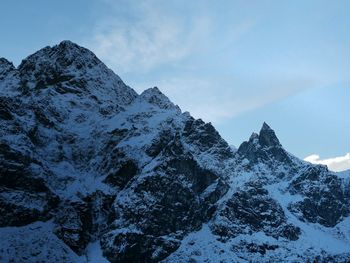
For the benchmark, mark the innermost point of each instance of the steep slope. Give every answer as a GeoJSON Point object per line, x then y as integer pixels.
{"type": "Point", "coordinates": [88, 164]}
{"type": "Point", "coordinates": [278, 208]}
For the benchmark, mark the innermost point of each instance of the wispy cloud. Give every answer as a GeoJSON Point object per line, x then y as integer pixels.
{"type": "Point", "coordinates": [218, 99]}
{"type": "Point", "coordinates": [148, 37]}
{"type": "Point", "coordinates": [144, 36]}
{"type": "Point", "coordinates": [336, 164]}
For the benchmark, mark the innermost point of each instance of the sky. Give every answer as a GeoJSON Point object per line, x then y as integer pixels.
{"type": "Point", "coordinates": [234, 63]}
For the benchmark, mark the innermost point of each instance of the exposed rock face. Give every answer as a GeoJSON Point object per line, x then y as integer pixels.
{"type": "Point", "coordinates": [264, 148]}
{"type": "Point", "coordinates": [69, 68]}
{"type": "Point", "coordinates": [159, 219]}
{"type": "Point", "coordinates": [252, 210]}
{"type": "Point", "coordinates": [123, 174]}
{"type": "Point", "coordinates": [138, 247]}
{"type": "Point", "coordinates": [86, 161]}
{"type": "Point", "coordinates": [73, 225]}
{"type": "Point", "coordinates": [325, 200]}
{"type": "Point", "coordinates": [206, 138]}
{"type": "Point", "coordinates": [5, 68]}
{"type": "Point", "coordinates": [24, 195]}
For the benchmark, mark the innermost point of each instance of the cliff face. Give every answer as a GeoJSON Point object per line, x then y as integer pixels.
{"type": "Point", "coordinates": [89, 167]}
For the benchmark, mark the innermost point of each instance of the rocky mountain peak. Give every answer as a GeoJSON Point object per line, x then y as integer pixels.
{"type": "Point", "coordinates": [254, 137]}
{"type": "Point", "coordinates": [65, 54]}
{"type": "Point", "coordinates": [267, 137]}
{"type": "Point", "coordinates": [70, 68]}
{"type": "Point", "coordinates": [4, 63]}
{"type": "Point", "coordinates": [264, 146]}
{"type": "Point", "coordinates": [156, 97]}
{"type": "Point", "coordinates": [264, 139]}
{"type": "Point", "coordinates": [69, 46]}
{"type": "Point", "coordinates": [5, 67]}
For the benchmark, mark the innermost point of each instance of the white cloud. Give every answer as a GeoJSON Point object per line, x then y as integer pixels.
{"type": "Point", "coordinates": [145, 38]}
{"type": "Point", "coordinates": [336, 164]}
{"type": "Point", "coordinates": [218, 99]}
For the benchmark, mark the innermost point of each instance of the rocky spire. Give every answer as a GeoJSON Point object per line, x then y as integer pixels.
{"type": "Point", "coordinates": [267, 137]}
{"type": "Point", "coordinates": [263, 146]}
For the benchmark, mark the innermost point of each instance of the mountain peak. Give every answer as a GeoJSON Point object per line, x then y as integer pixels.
{"type": "Point", "coordinates": [73, 50]}
{"type": "Point", "coordinates": [254, 136]}
{"type": "Point", "coordinates": [156, 97]}
{"type": "Point", "coordinates": [68, 67]}
{"type": "Point", "coordinates": [68, 44]}
{"type": "Point", "coordinates": [263, 146]}
{"type": "Point", "coordinates": [65, 54]}
{"type": "Point", "coordinates": [153, 91]}
{"type": "Point", "coordinates": [265, 126]}
{"type": "Point", "coordinates": [267, 136]}
{"type": "Point", "coordinates": [89, 165]}
{"type": "Point", "coordinates": [5, 67]}
{"type": "Point", "coordinates": [5, 63]}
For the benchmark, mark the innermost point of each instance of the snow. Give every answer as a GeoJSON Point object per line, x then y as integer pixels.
{"type": "Point", "coordinates": [18, 198]}
{"type": "Point", "coordinates": [72, 151]}
{"type": "Point", "coordinates": [314, 240]}
{"type": "Point", "coordinates": [34, 243]}
{"type": "Point", "coordinates": [344, 174]}
{"type": "Point", "coordinates": [94, 253]}
{"type": "Point", "coordinates": [203, 246]}
{"type": "Point", "coordinates": [44, 246]}
{"type": "Point", "coordinates": [313, 236]}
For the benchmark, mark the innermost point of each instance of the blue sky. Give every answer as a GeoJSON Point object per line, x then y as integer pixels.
{"type": "Point", "coordinates": [234, 63]}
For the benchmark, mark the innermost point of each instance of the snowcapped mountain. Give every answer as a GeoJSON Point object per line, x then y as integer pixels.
{"type": "Point", "coordinates": [91, 171]}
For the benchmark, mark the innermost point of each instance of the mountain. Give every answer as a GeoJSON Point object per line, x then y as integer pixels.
{"type": "Point", "coordinates": [91, 171]}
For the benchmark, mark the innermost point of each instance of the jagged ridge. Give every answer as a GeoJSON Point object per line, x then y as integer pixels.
{"type": "Point", "coordinates": [97, 162]}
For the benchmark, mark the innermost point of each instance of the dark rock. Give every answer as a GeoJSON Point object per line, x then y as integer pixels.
{"type": "Point", "coordinates": [137, 247]}
{"type": "Point", "coordinates": [200, 178]}
{"type": "Point", "coordinates": [18, 208]}
{"type": "Point", "coordinates": [167, 201]}
{"type": "Point", "coordinates": [5, 68]}
{"type": "Point", "coordinates": [160, 142]}
{"type": "Point", "coordinates": [15, 172]}
{"type": "Point", "coordinates": [252, 207]}
{"type": "Point", "coordinates": [73, 225]}
{"type": "Point", "coordinates": [42, 118]}
{"type": "Point", "coordinates": [255, 248]}
{"type": "Point", "coordinates": [267, 137]}
{"type": "Point", "coordinates": [325, 201]}
{"type": "Point", "coordinates": [102, 213]}
{"type": "Point", "coordinates": [123, 175]}
{"type": "Point", "coordinates": [24, 196]}
{"type": "Point", "coordinates": [47, 73]}
{"type": "Point", "coordinates": [175, 208]}
{"type": "Point", "coordinates": [155, 97]}
{"type": "Point", "coordinates": [264, 148]}
{"type": "Point", "coordinates": [206, 138]}
{"type": "Point", "coordinates": [78, 223]}
{"type": "Point", "coordinates": [245, 249]}
{"type": "Point", "coordinates": [5, 108]}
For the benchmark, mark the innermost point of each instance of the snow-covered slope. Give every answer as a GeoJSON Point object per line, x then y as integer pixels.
{"type": "Point", "coordinates": [278, 208]}
{"type": "Point", "coordinates": [91, 170]}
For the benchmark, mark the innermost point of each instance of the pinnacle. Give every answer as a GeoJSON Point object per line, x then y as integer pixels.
{"type": "Point", "coordinates": [267, 136]}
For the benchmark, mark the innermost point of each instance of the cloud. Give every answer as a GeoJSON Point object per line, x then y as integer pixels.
{"type": "Point", "coordinates": [336, 164]}
{"type": "Point", "coordinates": [219, 99]}
{"type": "Point", "coordinates": [185, 53]}
{"type": "Point", "coordinates": [144, 36]}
